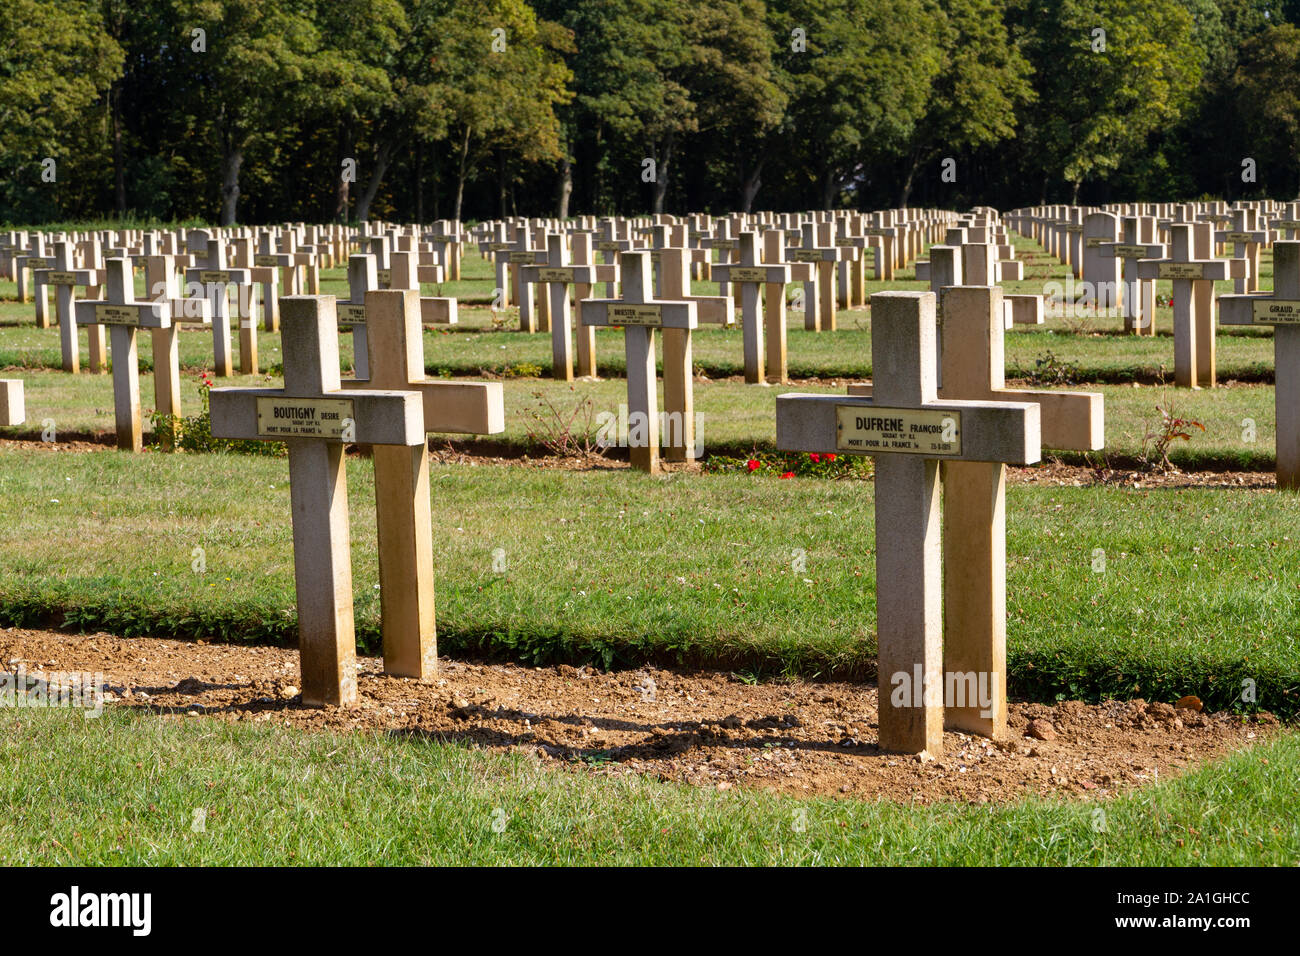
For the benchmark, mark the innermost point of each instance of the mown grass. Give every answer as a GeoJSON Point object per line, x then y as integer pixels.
{"type": "Point", "coordinates": [127, 789]}
{"type": "Point", "coordinates": [1199, 591]}
{"type": "Point", "coordinates": [733, 419]}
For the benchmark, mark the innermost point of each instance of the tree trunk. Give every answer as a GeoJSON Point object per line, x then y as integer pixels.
{"type": "Point", "coordinates": [828, 189]}
{"type": "Point", "coordinates": [906, 192]}
{"type": "Point", "coordinates": [419, 181]}
{"type": "Point", "coordinates": [383, 156]}
{"type": "Point", "coordinates": [342, 188]}
{"type": "Point", "coordinates": [1074, 193]}
{"type": "Point", "coordinates": [231, 161]}
{"type": "Point", "coordinates": [119, 172]}
{"type": "Point", "coordinates": [566, 185]}
{"type": "Point", "coordinates": [501, 185]}
{"type": "Point", "coordinates": [752, 184]}
{"type": "Point", "coordinates": [460, 174]}
{"type": "Point", "coordinates": [661, 175]}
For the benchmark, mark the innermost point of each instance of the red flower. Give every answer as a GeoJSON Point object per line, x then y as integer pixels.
{"type": "Point", "coordinates": [788, 474]}
{"type": "Point", "coordinates": [815, 457]}
{"type": "Point", "coordinates": [829, 456]}
{"type": "Point", "coordinates": [752, 464]}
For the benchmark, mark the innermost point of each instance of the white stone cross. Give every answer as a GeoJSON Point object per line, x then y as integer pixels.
{"type": "Point", "coordinates": [124, 315]}
{"type": "Point", "coordinates": [216, 281]}
{"type": "Point", "coordinates": [909, 431]}
{"type": "Point", "coordinates": [638, 314]}
{"type": "Point", "coordinates": [554, 278]}
{"type": "Point", "coordinates": [363, 277]}
{"type": "Point", "coordinates": [1138, 296]}
{"type": "Point", "coordinates": [1282, 311]}
{"type": "Point", "coordinates": [396, 361]}
{"type": "Point", "coordinates": [317, 418]}
{"type": "Point", "coordinates": [1193, 281]}
{"type": "Point", "coordinates": [751, 275]}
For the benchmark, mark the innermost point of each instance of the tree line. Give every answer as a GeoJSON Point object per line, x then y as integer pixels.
{"type": "Point", "coordinates": [342, 110]}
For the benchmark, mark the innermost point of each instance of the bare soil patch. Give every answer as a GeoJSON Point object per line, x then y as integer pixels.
{"type": "Point", "coordinates": [707, 729]}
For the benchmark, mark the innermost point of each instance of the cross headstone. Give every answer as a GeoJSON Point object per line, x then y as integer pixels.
{"type": "Point", "coordinates": [1137, 297]}
{"type": "Point", "coordinates": [1193, 281]}
{"type": "Point", "coordinates": [1246, 243]}
{"type": "Point", "coordinates": [65, 277]}
{"type": "Point", "coordinates": [639, 315]}
{"type": "Point", "coordinates": [1282, 311]}
{"type": "Point", "coordinates": [909, 431]}
{"type": "Point", "coordinates": [819, 295]}
{"type": "Point", "coordinates": [316, 418]}
{"type": "Point", "coordinates": [554, 279]}
{"type": "Point", "coordinates": [396, 361]}
{"type": "Point", "coordinates": [363, 277]}
{"type": "Point", "coordinates": [124, 315]}
{"type": "Point", "coordinates": [751, 275]}
{"type": "Point", "coordinates": [216, 280]}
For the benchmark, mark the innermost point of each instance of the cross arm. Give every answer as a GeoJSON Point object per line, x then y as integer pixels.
{"type": "Point", "coordinates": [615, 313]}
{"type": "Point", "coordinates": [1194, 269]}
{"type": "Point", "coordinates": [1229, 235]}
{"type": "Point", "coordinates": [144, 315]}
{"type": "Point", "coordinates": [379, 417]}
{"type": "Point", "coordinates": [219, 276]}
{"type": "Point", "coordinates": [1130, 250]}
{"type": "Point", "coordinates": [1071, 421]}
{"type": "Point", "coordinates": [1258, 310]}
{"type": "Point", "coordinates": [733, 272]}
{"type": "Point", "coordinates": [982, 431]}
{"type": "Point", "coordinates": [469, 408]}
{"type": "Point", "coordinates": [84, 277]}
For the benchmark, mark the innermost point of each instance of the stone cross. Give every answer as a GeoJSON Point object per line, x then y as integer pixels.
{"type": "Point", "coordinates": [396, 360]}
{"type": "Point", "coordinates": [407, 273]}
{"type": "Point", "coordinates": [774, 314]}
{"type": "Point", "coordinates": [1246, 243]}
{"type": "Point", "coordinates": [1193, 280]}
{"type": "Point", "coordinates": [12, 410]}
{"type": "Point", "coordinates": [819, 295]}
{"type": "Point", "coordinates": [1138, 296]}
{"type": "Point", "coordinates": [316, 418]}
{"type": "Point", "coordinates": [124, 315]}
{"type": "Point", "coordinates": [1282, 311]}
{"type": "Point", "coordinates": [679, 442]}
{"type": "Point", "coordinates": [554, 278]}
{"type": "Point", "coordinates": [751, 275]}
{"type": "Point", "coordinates": [267, 267]}
{"type": "Point", "coordinates": [363, 277]}
{"type": "Point", "coordinates": [1101, 271]}
{"type": "Point", "coordinates": [909, 431]}
{"type": "Point", "coordinates": [639, 315]}
{"type": "Point", "coordinates": [216, 281]}
{"type": "Point", "coordinates": [33, 258]}
{"type": "Point", "coordinates": [160, 280]}
{"type": "Point", "coordinates": [64, 277]}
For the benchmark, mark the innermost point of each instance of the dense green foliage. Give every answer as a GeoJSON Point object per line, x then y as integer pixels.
{"type": "Point", "coordinates": [250, 110]}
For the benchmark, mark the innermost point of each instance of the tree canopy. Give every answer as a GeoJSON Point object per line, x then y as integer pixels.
{"type": "Point", "coordinates": [272, 110]}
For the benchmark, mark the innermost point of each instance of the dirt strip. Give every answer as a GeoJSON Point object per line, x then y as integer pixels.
{"type": "Point", "coordinates": [705, 729]}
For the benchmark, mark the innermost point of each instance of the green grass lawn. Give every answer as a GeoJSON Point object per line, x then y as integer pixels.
{"type": "Point", "coordinates": [1198, 594]}
{"type": "Point", "coordinates": [124, 790]}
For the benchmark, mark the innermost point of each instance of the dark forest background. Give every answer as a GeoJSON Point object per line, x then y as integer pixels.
{"type": "Point", "coordinates": [249, 110]}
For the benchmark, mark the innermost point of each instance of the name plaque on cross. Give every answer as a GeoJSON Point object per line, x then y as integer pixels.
{"type": "Point", "coordinates": [303, 417]}
{"type": "Point", "coordinates": [608, 245]}
{"type": "Point", "coordinates": [61, 278]}
{"type": "Point", "coordinates": [266, 260]}
{"type": "Point", "coordinates": [116, 315]}
{"type": "Point", "coordinates": [1181, 270]}
{"type": "Point", "coordinates": [385, 276]}
{"type": "Point", "coordinates": [904, 430]}
{"type": "Point", "coordinates": [1275, 312]}
{"type": "Point", "coordinates": [1121, 251]}
{"type": "Point", "coordinates": [527, 257]}
{"type": "Point", "coordinates": [213, 275]}
{"type": "Point", "coordinates": [350, 314]}
{"type": "Point", "coordinates": [742, 274]}
{"type": "Point", "coordinates": [555, 275]}
{"type": "Point", "coordinates": [805, 255]}
{"type": "Point", "coordinates": [647, 315]}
